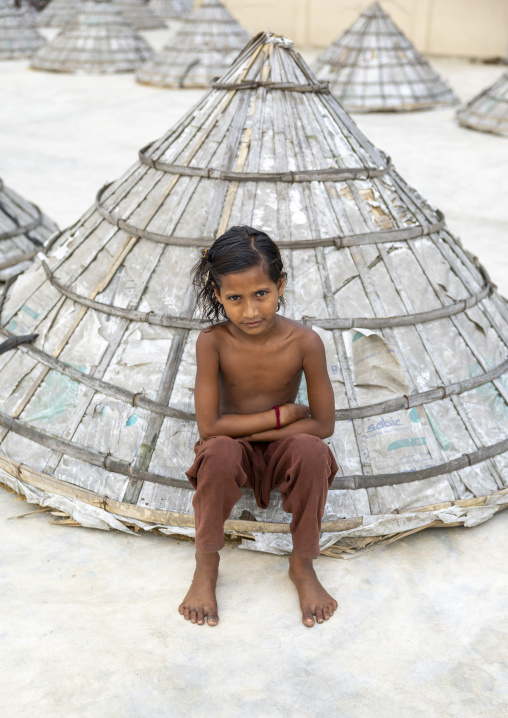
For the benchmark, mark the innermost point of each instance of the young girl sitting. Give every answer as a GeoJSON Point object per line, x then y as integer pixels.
{"type": "Point", "coordinates": [252, 434]}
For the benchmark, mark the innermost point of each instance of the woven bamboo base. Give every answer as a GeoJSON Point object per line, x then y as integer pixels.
{"type": "Point", "coordinates": [236, 530]}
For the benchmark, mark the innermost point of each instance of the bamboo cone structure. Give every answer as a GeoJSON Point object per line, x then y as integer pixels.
{"type": "Point", "coordinates": [488, 111]}
{"type": "Point", "coordinates": [24, 230]}
{"type": "Point", "coordinates": [18, 36]}
{"type": "Point", "coordinates": [140, 15]}
{"type": "Point", "coordinates": [169, 9]}
{"type": "Point", "coordinates": [204, 46]}
{"type": "Point", "coordinates": [373, 67]}
{"type": "Point", "coordinates": [59, 13]}
{"type": "Point", "coordinates": [97, 414]}
{"type": "Point", "coordinates": [99, 41]}
{"type": "Point", "coordinates": [31, 13]}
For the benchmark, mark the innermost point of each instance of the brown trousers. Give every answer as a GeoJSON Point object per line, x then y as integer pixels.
{"type": "Point", "coordinates": [301, 466]}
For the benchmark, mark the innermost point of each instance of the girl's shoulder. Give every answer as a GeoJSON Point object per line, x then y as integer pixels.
{"type": "Point", "coordinates": [307, 340]}
{"type": "Point", "coordinates": [299, 329]}
{"type": "Point", "coordinates": [213, 332]}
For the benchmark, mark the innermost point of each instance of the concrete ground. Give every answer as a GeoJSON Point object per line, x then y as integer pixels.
{"type": "Point", "coordinates": [89, 625]}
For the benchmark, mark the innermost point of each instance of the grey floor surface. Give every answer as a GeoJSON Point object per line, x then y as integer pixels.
{"type": "Point", "coordinates": [90, 627]}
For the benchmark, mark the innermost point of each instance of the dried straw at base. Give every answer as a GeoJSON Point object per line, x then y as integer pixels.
{"type": "Point", "coordinates": [203, 48]}
{"type": "Point", "coordinates": [169, 9]}
{"type": "Point", "coordinates": [24, 230]}
{"type": "Point", "coordinates": [18, 36]}
{"type": "Point", "coordinates": [59, 13]}
{"type": "Point", "coordinates": [97, 415]}
{"type": "Point", "coordinates": [99, 41]}
{"type": "Point", "coordinates": [373, 67]}
{"type": "Point", "coordinates": [488, 111]}
{"type": "Point", "coordinates": [140, 15]}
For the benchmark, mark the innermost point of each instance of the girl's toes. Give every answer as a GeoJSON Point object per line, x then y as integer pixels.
{"type": "Point", "coordinates": [213, 620]}
{"type": "Point", "coordinates": [180, 609]}
{"type": "Point", "coordinates": [187, 613]}
{"type": "Point", "coordinates": [200, 617]}
{"type": "Point", "coordinates": [319, 615]}
{"type": "Point", "coordinates": [326, 613]}
{"type": "Point", "coordinates": [193, 616]}
{"type": "Point", "coordinates": [307, 618]}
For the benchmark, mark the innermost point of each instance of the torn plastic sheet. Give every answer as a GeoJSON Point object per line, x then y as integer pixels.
{"type": "Point", "coordinates": [141, 350]}
{"type": "Point", "coordinates": [376, 367]}
{"type": "Point", "coordinates": [277, 543]}
{"type": "Point", "coordinates": [383, 525]}
{"type": "Point", "coordinates": [397, 441]}
{"type": "Point", "coordinates": [85, 514]}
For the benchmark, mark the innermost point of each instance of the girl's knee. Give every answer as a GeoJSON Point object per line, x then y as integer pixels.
{"type": "Point", "coordinates": [221, 446]}
{"type": "Point", "coordinates": [222, 452]}
{"type": "Point", "coordinates": [219, 443]}
{"type": "Point", "coordinates": [308, 445]}
{"type": "Point", "coordinates": [308, 439]}
{"type": "Point", "coordinates": [218, 465]}
{"type": "Point", "coordinates": [311, 453]}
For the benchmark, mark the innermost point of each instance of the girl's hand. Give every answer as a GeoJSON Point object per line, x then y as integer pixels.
{"type": "Point", "coordinates": [289, 413]}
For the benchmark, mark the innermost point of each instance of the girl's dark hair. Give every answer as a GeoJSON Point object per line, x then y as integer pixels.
{"type": "Point", "coordinates": [234, 251]}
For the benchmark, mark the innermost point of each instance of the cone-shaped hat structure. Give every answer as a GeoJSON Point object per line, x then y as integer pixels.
{"type": "Point", "coordinates": [488, 111]}
{"type": "Point", "coordinates": [99, 410]}
{"type": "Point", "coordinates": [140, 15]}
{"type": "Point", "coordinates": [373, 67]}
{"type": "Point", "coordinates": [203, 48]}
{"type": "Point", "coordinates": [24, 230]}
{"type": "Point", "coordinates": [99, 40]}
{"type": "Point", "coordinates": [59, 13]}
{"type": "Point", "coordinates": [18, 36]}
{"type": "Point", "coordinates": [169, 9]}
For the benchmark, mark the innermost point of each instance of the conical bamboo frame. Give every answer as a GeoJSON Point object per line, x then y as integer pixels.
{"type": "Point", "coordinates": [59, 13]}
{"type": "Point", "coordinates": [101, 404]}
{"type": "Point", "coordinates": [202, 49]}
{"type": "Point", "coordinates": [24, 230]}
{"type": "Point", "coordinates": [18, 36]}
{"type": "Point", "coordinates": [373, 67]}
{"type": "Point", "coordinates": [140, 15]}
{"type": "Point", "coordinates": [98, 41]}
{"type": "Point", "coordinates": [488, 111]}
{"type": "Point", "coordinates": [168, 9]}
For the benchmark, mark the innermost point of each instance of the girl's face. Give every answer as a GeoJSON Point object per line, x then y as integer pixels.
{"type": "Point", "coordinates": [250, 299]}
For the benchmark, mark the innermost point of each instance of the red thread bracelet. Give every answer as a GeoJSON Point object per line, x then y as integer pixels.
{"type": "Point", "coordinates": [277, 415]}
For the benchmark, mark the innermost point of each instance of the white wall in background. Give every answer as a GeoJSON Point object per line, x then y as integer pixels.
{"type": "Point", "coordinates": [467, 28]}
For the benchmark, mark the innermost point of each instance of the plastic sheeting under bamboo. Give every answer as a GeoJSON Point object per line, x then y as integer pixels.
{"type": "Point", "coordinates": [336, 544]}
{"type": "Point", "coordinates": [415, 334]}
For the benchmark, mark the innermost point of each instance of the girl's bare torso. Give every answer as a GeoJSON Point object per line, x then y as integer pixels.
{"type": "Point", "coordinates": [256, 375]}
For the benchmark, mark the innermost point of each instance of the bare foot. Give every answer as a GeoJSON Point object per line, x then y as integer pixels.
{"type": "Point", "coordinates": [200, 601]}
{"type": "Point", "coordinates": [314, 600]}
